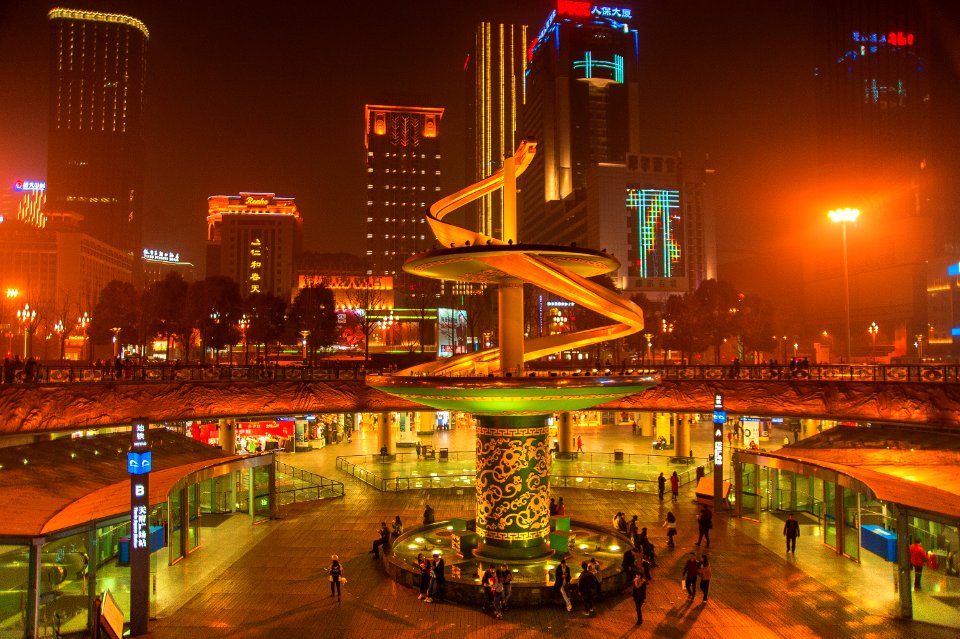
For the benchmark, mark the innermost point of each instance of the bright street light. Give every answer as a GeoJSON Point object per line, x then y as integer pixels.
{"type": "Point", "coordinates": [841, 217]}
{"type": "Point", "coordinates": [873, 329]}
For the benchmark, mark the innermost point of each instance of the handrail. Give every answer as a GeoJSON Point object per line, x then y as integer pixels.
{"type": "Point", "coordinates": [318, 486]}
{"type": "Point", "coordinates": [60, 374]}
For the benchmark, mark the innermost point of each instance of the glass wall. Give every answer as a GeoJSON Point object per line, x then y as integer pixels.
{"type": "Point", "coordinates": [751, 502]}
{"type": "Point", "coordinates": [14, 581]}
{"type": "Point", "coordinates": [830, 514]}
{"type": "Point", "coordinates": [175, 525]}
{"type": "Point", "coordinates": [193, 517]}
{"type": "Point", "coordinates": [261, 493]}
{"type": "Point", "coordinates": [215, 495]}
{"type": "Point", "coordinates": [786, 489]}
{"type": "Point", "coordinates": [63, 600]}
{"type": "Point", "coordinates": [851, 524]}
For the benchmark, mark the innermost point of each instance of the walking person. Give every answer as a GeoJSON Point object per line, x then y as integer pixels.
{"type": "Point", "coordinates": [440, 578]}
{"type": "Point", "coordinates": [561, 578]}
{"type": "Point", "coordinates": [704, 524]}
{"type": "Point", "coordinates": [639, 596]}
{"type": "Point", "coordinates": [675, 486]}
{"type": "Point", "coordinates": [661, 486]}
{"type": "Point", "coordinates": [505, 577]}
{"type": "Point", "coordinates": [425, 569]}
{"type": "Point", "coordinates": [336, 576]}
{"type": "Point", "coordinates": [497, 587]}
{"type": "Point", "coordinates": [791, 530]}
{"type": "Point", "coordinates": [690, 572]}
{"type": "Point", "coordinates": [670, 523]}
{"type": "Point", "coordinates": [706, 572]}
{"type": "Point", "coordinates": [918, 557]}
{"type": "Point", "coordinates": [579, 444]}
{"type": "Point", "coordinates": [589, 584]}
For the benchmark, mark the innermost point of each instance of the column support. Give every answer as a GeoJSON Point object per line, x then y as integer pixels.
{"type": "Point", "coordinates": [903, 567]}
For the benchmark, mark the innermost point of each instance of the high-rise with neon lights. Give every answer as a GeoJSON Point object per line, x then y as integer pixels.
{"type": "Point", "coordinates": [496, 91]}
{"type": "Point", "coordinates": [582, 106]}
{"type": "Point", "coordinates": [96, 143]}
{"type": "Point", "coordinates": [402, 161]}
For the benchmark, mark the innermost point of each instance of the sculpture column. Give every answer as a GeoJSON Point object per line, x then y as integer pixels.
{"type": "Point", "coordinates": [385, 433]}
{"type": "Point", "coordinates": [645, 421]}
{"type": "Point", "coordinates": [513, 487]}
{"type": "Point", "coordinates": [682, 440]}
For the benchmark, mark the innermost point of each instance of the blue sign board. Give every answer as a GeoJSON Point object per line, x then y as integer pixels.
{"type": "Point", "coordinates": [719, 417]}
{"type": "Point", "coordinates": [139, 463]}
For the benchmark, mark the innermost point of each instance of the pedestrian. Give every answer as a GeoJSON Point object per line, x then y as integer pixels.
{"type": "Point", "coordinates": [505, 578]}
{"type": "Point", "coordinates": [382, 541]}
{"type": "Point", "coordinates": [419, 448]}
{"type": "Point", "coordinates": [729, 442]}
{"type": "Point", "coordinates": [639, 596]}
{"type": "Point", "coordinates": [497, 587]}
{"type": "Point", "coordinates": [487, 582]}
{"type": "Point", "coordinates": [396, 529]}
{"type": "Point", "coordinates": [561, 579]}
{"type": "Point", "coordinates": [588, 587]}
{"type": "Point", "coordinates": [675, 486]}
{"type": "Point", "coordinates": [579, 444]}
{"type": "Point", "coordinates": [619, 522]}
{"type": "Point", "coordinates": [791, 530]}
{"type": "Point", "coordinates": [705, 574]}
{"type": "Point", "coordinates": [690, 571]}
{"type": "Point", "coordinates": [336, 576]}
{"type": "Point", "coordinates": [426, 568]}
{"type": "Point", "coordinates": [670, 523]}
{"type": "Point", "coordinates": [646, 547]}
{"type": "Point", "coordinates": [553, 507]}
{"type": "Point", "coordinates": [634, 531]}
{"type": "Point", "coordinates": [440, 577]}
{"type": "Point", "coordinates": [704, 524]}
{"type": "Point", "coordinates": [428, 517]}
{"type": "Point", "coordinates": [918, 557]}
{"type": "Point", "coordinates": [661, 486]}
{"type": "Point", "coordinates": [561, 509]}
{"type": "Point", "coordinates": [629, 563]}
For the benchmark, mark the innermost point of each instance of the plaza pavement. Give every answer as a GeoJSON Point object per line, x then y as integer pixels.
{"type": "Point", "coordinates": [274, 586]}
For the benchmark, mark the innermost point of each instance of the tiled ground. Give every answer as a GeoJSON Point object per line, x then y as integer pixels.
{"type": "Point", "coordinates": [277, 587]}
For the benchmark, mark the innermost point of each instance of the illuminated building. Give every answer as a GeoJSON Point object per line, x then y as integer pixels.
{"type": "Point", "coordinates": [496, 90]}
{"type": "Point", "coordinates": [402, 153]}
{"type": "Point", "coordinates": [253, 239]}
{"type": "Point", "coordinates": [95, 147]}
{"type": "Point", "coordinates": [582, 105]}
{"type": "Point", "coordinates": [59, 267]}
{"type": "Point", "coordinates": [156, 265]}
{"type": "Point", "coordinates": [874, 107]}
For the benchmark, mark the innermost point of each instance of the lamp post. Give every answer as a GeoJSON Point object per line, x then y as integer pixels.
{"type": "Point", "coordinates": [116, 332]}
{"type": "Point", "coordinates": [667, 328]}
{"type": "Point", "coordinates": [82, 322]}
{"type": "Point", "coordinates": [873, 329]}
{"type": "Point", "coordinates": [919, 345]}
{"type": "Point", "coordinates": [304, 334]}
{"type": "Point", "coordinates": [841, 217]}
{"type": "Point", "coordinates": [244, 323]}
{"type": "Point", "coordinates": [649, 338]}
{"type": "Point", "coordinates": [27, 318]}
{"type": "Point", "coordinates": [59, 329]}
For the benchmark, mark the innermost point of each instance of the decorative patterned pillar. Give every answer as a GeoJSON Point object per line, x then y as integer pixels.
{"type": "Point", "coordinates": [513, 487]}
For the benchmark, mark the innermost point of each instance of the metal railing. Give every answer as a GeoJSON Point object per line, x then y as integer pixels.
{"type": "Point", "coordinates": [312, 487]}
{"type": "Point", "coordinates": [463, 480]}
{"type": "Point", "coordinates": [55, 374]}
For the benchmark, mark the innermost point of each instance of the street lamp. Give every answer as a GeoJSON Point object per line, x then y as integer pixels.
{"type": "Point", "coordinates": [116, 331]}
{"type": "Point", "coordinates": [649, 338]}
{"type": "Point", "coordinates": [919, 345]}
{"type": "Point", "coordinates": [667, 329]}
{"type": "Point", "coordinates": [873, 329]}
{"type": "Point", "coordinates": [841, 217]}
{"type": "Point", "coordinates": [82, 322]}
{"type": "Point", "coordinates": [59, 329]}
{"type": "Point", "coordinates": [244, 323]}
{"type": "Point", "coordinates": [27, 318]}
{"type": "Point", "coordinates": [304, 334]}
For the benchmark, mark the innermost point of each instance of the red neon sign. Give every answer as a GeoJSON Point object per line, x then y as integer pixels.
{"type": "Point", "coordinates": [573, 8]}
{"type": "Point", "coordinates": [899, 38]}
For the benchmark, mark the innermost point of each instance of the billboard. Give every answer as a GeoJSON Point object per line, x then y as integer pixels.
{"type": "Point", "coordinates": [657, 233]}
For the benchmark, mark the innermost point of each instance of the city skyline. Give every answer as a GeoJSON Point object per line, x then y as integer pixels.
{"type": "Point", "coordinates": [225, 115]}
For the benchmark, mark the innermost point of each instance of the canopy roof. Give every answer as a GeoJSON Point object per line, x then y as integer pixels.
{"type": "Point", "coordinates": [62, 483]}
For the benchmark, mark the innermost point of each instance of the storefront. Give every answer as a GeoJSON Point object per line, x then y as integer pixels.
{"type": "Point", "coordinates": [867, 493]}
{"type": "Point", "coordinates": [65, 529]}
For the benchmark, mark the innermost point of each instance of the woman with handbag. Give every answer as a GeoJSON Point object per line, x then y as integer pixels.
{"type": "Point", "coordinates": [670, 523]}
{"type": "Point", "coordinates": [336, 576]}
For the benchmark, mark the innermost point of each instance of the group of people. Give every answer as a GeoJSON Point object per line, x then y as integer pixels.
{"type": "Point", "coordinates": [674, 486]}
{"type": "Point", "coordinates": [432, 578]}
{"type": "Point", "coordinates": [497, 586]}
{"type": "Point", "coordinates": [557, 508]}
{"type": "Point", "coordinates": [16, 370]}
{"type": "Point", "coordinates": [588, 583]}
{"type": "Point", "coordinates": [386, 535]}
{"type": "Point", "coordinates": [697, 569]}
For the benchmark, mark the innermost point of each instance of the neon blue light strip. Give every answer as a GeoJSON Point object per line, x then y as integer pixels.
{"type": "Point", "coordinates": [588, 64]}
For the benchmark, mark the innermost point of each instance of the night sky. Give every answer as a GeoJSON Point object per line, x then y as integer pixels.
{"type": "Point", "coordinates": [254, 95]}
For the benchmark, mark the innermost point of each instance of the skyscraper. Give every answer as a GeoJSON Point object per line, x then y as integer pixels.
{"type": "Point", "coordinates": [873, 120]}
{"type": "Point", "coordinates": [496, 86]}
{"type": "Point", "coordinates": [254, 238]}
{"type": "Point", "coordinates": [582, 106]}
{"type": "Point", "coordinates": [95, 152]}
{"type": "Point", "coordinates": [402, 146]}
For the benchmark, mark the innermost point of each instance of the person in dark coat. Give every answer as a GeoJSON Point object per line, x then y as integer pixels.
{"type": "Point", "coordinates": [704, 524]}
{"type": "Point", "coordinates": [661, 488]}
{"type": "Point", "coordinates": [674, 486]}
{"type": "Point", "coordinates": [791, 530]}
{"type": "Point", "coordinates": [588, 588]}
{"type": "Point", "coordinates": [440, 578]}
{"type": "Point", "coordinates": [562, 581]}
{"type": "Point", "coordinates": [639, 596]}
{"type": "Point", "coordinates": [690, 572]}
{"type": "Point", "coordinates": [428, 517]}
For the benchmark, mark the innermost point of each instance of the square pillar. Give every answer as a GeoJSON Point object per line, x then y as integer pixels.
{"type": "Point", "coordinates": [904, 580]}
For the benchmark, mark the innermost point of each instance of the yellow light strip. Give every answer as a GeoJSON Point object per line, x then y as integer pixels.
{"type": "Point", "coordinates": [94, 16]}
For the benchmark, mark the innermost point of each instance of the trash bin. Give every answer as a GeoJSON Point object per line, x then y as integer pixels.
{"type": "Point", "coordinates": [444, 454]}
{"type": "Point", "coordinates": [618, 454]}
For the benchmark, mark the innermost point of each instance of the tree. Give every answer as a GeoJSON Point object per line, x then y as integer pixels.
{"type": "Point", "coordinates": [313, 310]}
{"type": "Point", "coordinates": [361, 301]}
{"type": "Point", "coordinates": [266, 314]}
{"type": "Point", "coordinates": [214, 309]}
{"type": "Point", "coordinates": [754, 322]}
{"type": "Point", "coordinates": [714, 309]}
{"type": "Point", "coordinates": [117, 312]}
{"type": "Point", "coordinates": [166, 302]}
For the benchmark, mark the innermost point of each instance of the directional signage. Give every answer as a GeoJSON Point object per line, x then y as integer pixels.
{"type": "Point", "coordinates": [139, 465]}
{"type": "Point", "coordinates": [719, 419]}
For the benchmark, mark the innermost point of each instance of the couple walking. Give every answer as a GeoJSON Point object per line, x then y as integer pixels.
{"type": "Point", "coordinates": [692, 570]}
